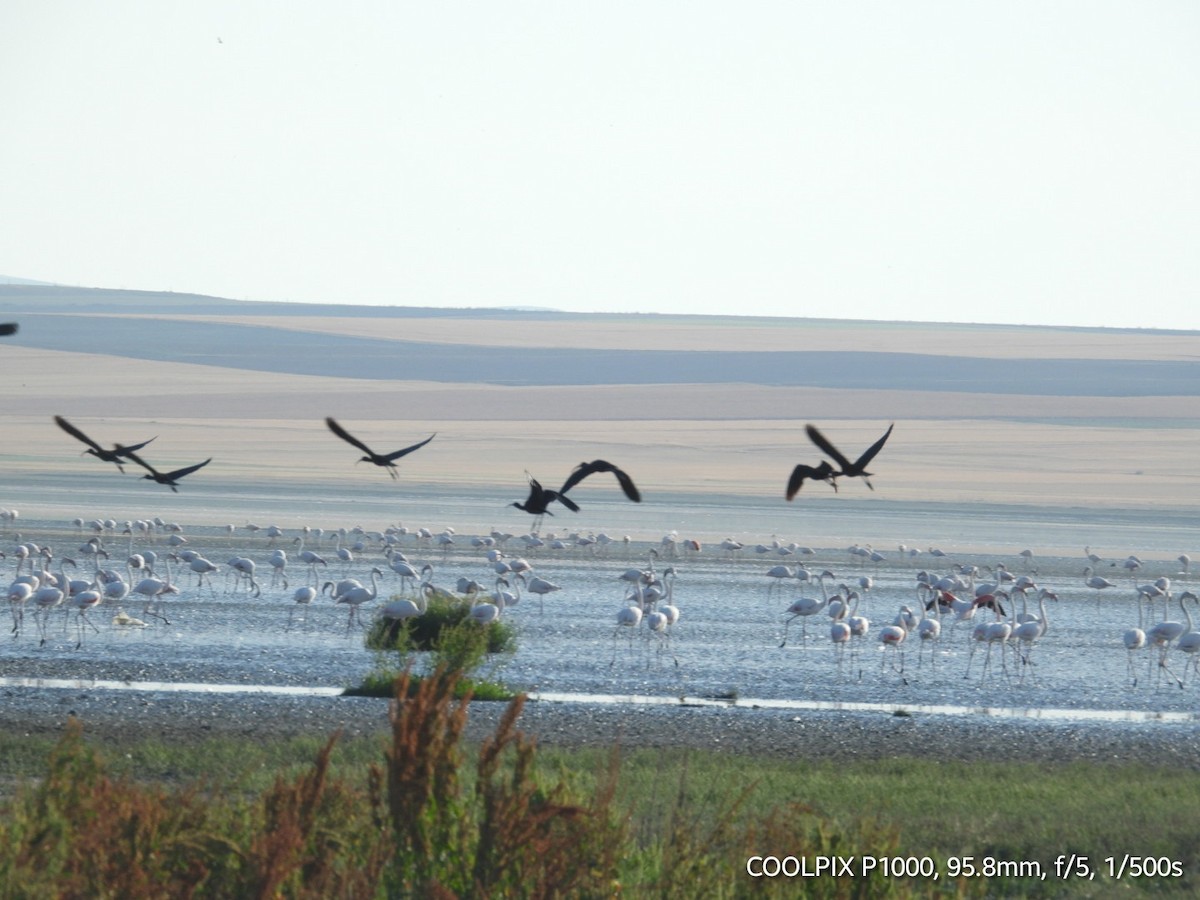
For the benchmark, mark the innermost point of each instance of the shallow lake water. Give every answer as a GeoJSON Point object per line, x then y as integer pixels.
{"type": "Point", "coordinates": [726, 645]}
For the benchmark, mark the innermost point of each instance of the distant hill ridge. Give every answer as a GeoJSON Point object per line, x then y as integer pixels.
{"type": "Point", "coordinates": [23, 295]}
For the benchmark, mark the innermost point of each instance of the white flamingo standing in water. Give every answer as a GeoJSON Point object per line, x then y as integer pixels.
{"type": "Point", "coordinates": [278, 562]}
{"type": "Point", "coordinates": [629, 617]}
{"type": "Point", "coordinates": [19, 593]}
{"type": "Point", "coordinates": [357, 596]}
{"type": "Point", "coordinates": [81, 603]}
{"type": "Point", "coordinates": [893, 637]}
{"type": "Point", "coordinates": [154, 589]}
{"type": "Point", "coordinates": [46, 598]}
{"type": "Point", "coordinates": [806, 607]}
{"type": "Point", "coordinates": [840, 635]}
{"type": "Point", "coordinates": [486, 611]}
{"type": "Point", "coordinates": [1134, 640]}
{"type": "Point", "coordinates": [929, 630]}
{"type": "Point", "coordinates": [302, 596]}
{"type": "Point", "coordinates": [1163, 634]}
{"type": "Point", "coordinates": [1030, 632]}
{"type": "Point", "coordinates": [309, 558]}
{"type": "Point", "coordinates": [1189, 642]}
{"type": "Point", "coordinates": [656, 624]}
{"type": "Point", "coordinates": [541, 587]}
{"type": "Point", "coordinates": [997, 633]}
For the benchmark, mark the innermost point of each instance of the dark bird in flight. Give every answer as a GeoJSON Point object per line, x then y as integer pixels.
{"type": "Point", "coordinates": [540, 498]}
{"type": "Point", "coordinates": [849, 469]}
{"type": "Point", "coordinates": [388, 460]}
{"type": "Point", "coordinates": [115, 455]}
{"type": "Point", "coordinates": [171, 479]}
{"type": "Point", "coordinates": [823, 472]}
{"type": "Point", "coordinates": [584, 469]}
{"type": "Point", "coordinates": [7, 328]}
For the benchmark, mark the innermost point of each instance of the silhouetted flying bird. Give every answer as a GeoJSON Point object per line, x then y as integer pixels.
{"type": "Point", "coordinates": [113, 456]}
{"type": "Point", "coordinates": [849, 469]}
{"type": "Point", "coordinates": [387, 460]}
{"type": "Point", "coordinates": [171, 479]}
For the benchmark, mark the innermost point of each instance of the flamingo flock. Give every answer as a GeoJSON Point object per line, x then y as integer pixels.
{"type": "Point", "coordinates": [987, 626]}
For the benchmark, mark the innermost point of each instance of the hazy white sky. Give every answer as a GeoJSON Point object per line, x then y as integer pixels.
{"type": "Point", "coordinates": [1031, 162]}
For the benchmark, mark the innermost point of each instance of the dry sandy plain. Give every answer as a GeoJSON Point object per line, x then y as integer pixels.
{"type": "Point", "coordinates": [1060, 445]}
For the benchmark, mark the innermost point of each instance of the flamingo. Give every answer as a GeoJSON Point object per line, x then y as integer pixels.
{"type": "Point", "coordinates": [541, 587]}
{"type": "Point", "coordinates": [242, 569]}
{"type": "Point", "coordinates": [309, 557]}
{"type": "Point", "coordinates": [993, 633]}
{"type": "Point", "coordinates": [929, 630]}
{"type": "Point", "coordinates": [403, 568]}
{"type": "Point", "coordinates": [50, 594]}
{"type": "Point", "coordinates": [1032, 631]}
{"type": "Point", "coordinates": [278, 562]}
{"type": "Point", "coordinates": [485, 612]}
{"type": "Point", "coordinates": [656, 624]}
{"type": "Point", "coordinates": [508, 598]}
{"type": "Point", "coordinates": [403, 608]}
{"type": "Point", "coordinates": [667, 607]}
{"type": "Point", "coordinates": [1134, 640]}
{"type": "Point", "coordinates": [893, 636]}
{"type": "Point", "coordinates": [1189, 641]}
{"type": "Point", "coordinates": [81, 603]}
{"type": "Point", "coordinates": [777, 574]}
{"type": "Point", "coordinates": [840, 634]}
{"type": "Point", "coordinates": [154, 589]}
{"type": "Point", "coordinates": [804, 607]}
{"type": "Point", "coordinates": [343, 553]}
{"type": "Point", "coordinates": [628, 617]}
{"type": "Point", "coordinates": [357, 596]}
{"type": "Point", "coordinates": [303, 596]}
{"type": "Point", "coordinates": [19, 593]}
{"type": "Point", "coordinates": [1095, 582]}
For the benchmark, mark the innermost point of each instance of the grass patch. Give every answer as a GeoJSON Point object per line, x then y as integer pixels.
{"type": "Point", "coordinates": [419, 811]}
{"type": "Point", "coordinates": [382, 681]}
{"type": "Point", "coordinates": [445, 637]}
{"type": "Point", "coordinates": [428, 631]}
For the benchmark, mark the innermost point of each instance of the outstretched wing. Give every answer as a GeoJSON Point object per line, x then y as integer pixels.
{"type": "Point", "coordinates": [584, 469]}
{"type": "Point", "coordinates": [407, 450]}
{"type": "Point", "coordinates": [822, 472]}
{"type": "Point", "coordinates": [347, 436]}
{"type": "Point", "coordinates": [823, 442]}
{"type": "Point", "coordinates": [187, 470]}
{"type": "Point", "coordinates": [125, 450]}
{"type": "Point", "coordinates": [77, 434]}
{"type": "Point", "coordinates": [874, 448]}
{"type": "Point", "coordinates": [141, 462]}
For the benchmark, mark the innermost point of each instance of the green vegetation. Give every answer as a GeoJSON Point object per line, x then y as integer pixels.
{"type": "Point", "coordinates": [425, 813]}
{"type": "Point", "coordinates": [443, 636]}
{"type": "Point", "coordinates": [427, 631]}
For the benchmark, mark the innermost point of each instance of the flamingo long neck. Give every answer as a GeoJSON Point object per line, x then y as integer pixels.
{"type": "Point", "coordinates": [1186, 613]}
